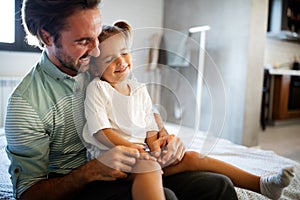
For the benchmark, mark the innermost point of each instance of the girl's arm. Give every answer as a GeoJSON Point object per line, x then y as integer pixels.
{"type": "Point", "coordinates": [168, 148]}
{"type": "Point", "coordinates": [152, 136]}
{"type": "Point", "coordinates": [111, 138]}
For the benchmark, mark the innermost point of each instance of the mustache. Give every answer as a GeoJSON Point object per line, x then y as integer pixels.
{"type": "Point", "coordinates": [85, 56]}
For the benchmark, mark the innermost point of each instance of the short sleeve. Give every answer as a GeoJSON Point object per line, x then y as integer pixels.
{"type": "Point", "coordinates": [27, 145]}
{"type": "Point", "coordinates": [96, 107]}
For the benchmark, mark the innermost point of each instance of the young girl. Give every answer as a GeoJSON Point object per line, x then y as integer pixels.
{"type": "Point", "coordinates": [119, 112]}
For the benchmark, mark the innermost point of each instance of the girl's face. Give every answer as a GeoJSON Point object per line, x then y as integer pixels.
{"type": "Point", "coordinates": [114, 63]}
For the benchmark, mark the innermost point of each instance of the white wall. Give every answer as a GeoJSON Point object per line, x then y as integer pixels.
{"type": "Point", "coordinates": [139, 13]}
{"type": "Point", "coordinates": [16, 63]}
{"type": "Point", "coordinates": [280, 52]}
{"type": "Point", "coordinates": [236, 45]}
{"type": "Point", "coordinates": [254, 78]}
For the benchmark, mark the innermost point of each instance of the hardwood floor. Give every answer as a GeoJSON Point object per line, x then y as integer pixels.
{"type": "Point", "coordinates": [282, 139]}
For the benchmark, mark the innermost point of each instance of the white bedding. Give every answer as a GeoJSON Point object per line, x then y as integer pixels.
{"type": "Point", "coordinates": [5, 184]}
{"type": "Point", "coordinates": [254, 160]}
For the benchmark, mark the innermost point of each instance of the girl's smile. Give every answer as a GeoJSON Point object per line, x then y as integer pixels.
{"type": "Point", "coordinates": [123, 69]}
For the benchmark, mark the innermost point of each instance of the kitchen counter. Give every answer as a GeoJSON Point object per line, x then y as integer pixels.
{"type": "Point", "coordinates": [281, 95]}
{"type": "Point", "coordinates": [290, 72]}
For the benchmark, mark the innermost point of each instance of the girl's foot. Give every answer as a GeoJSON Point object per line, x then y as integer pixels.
{"type": "Point", "coordinates": [272, 186]}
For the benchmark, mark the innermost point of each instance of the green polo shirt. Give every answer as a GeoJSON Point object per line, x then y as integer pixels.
{"type": "Point", "coordinates": [43, 125]}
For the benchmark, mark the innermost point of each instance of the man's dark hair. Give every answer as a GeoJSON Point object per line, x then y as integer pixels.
{"type": "Point", "coordinates": [51, 15]}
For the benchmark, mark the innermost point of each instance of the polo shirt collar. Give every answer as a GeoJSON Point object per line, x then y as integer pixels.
{"type": "Point", "coordinates": [47, 66]}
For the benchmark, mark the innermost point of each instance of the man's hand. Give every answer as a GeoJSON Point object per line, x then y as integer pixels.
{"type": "Point", "coordinates": [107, 167]}
{"type": "Point", "coordinates": [112, 164]}
{"type": "Point", "coordinates": [145, 155]}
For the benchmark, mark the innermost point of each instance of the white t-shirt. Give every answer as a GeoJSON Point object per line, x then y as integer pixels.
{"type": "Point", "coordinates": [131, 116]}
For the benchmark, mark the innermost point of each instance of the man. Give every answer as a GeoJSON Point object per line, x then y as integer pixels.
{"type": "Point", "coordinates": [44, 118]}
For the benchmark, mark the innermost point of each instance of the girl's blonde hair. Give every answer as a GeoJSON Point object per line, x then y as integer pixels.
{"type": "Point", "coordinates": [119, 27]}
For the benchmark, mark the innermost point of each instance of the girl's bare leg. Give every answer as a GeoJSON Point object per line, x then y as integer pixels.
{"type": "Point", "coordinates": [194, 161]}
{"type": "Point", "coordinates": [147, 181]}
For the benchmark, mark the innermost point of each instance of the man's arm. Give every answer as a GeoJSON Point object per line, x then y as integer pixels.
{"type": "Point", "coordinates": [107, 167]}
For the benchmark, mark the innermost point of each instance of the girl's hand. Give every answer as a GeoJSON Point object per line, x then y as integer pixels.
{"type": "Point", "coordinates": [168, 150]}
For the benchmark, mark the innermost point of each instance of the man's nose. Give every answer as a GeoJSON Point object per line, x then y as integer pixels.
{"type": "Point", "coordinates": [95, 51]}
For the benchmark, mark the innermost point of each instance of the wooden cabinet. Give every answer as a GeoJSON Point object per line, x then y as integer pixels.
{"type": "Point", "coordinates": [293, 15]}
{"type": "Point", "coordinates": [284, 20]}
{"type": "Point", "coordinates": [281, 93]}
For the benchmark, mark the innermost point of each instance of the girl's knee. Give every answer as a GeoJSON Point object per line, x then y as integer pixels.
{"type": "Point", "coordinates": [146, 166]}
{"type": "Point", "coordinates": [194, 161]}
{"type": "Point", "coordinates": [193, 155]}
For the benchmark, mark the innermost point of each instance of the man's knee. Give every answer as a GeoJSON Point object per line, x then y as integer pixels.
{"type": "Point", "coordinates": [170, 195]}
{"type": "Point", "coordinates": [224, 187]}
{"type": "Point", "coordinates": [201, 185]}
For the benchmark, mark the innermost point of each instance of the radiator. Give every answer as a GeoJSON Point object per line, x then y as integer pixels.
{"type": "Point", "coordinates": [7, 85]}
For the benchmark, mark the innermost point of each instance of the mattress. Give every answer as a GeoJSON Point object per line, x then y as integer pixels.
{"type": "Point", "coordinates": [254, 160]}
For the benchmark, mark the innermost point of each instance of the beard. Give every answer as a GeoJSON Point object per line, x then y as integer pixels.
{"type": "Point", "coordinates": [67, 62]}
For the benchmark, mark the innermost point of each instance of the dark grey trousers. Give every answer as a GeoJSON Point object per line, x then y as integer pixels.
{"type": "Point", "coordinates": [183, 186]}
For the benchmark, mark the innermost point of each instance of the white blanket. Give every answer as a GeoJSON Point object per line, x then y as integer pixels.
{"type": "Point", "coordinates": [5, 184]}
{"type": "Point", "coordinates": [254, 160]}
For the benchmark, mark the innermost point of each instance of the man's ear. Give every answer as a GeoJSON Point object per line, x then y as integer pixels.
{"type": "Point", "coordinates": [46, 38]}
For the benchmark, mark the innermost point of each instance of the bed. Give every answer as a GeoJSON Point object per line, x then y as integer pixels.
{"type": "Point", "coordinates": [254, 160]}
{"type": "Point", "coordinates": [5, 184]}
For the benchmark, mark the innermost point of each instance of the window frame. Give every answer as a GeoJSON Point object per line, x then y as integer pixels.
{"type": "Point", "coordinates": [20, 44]}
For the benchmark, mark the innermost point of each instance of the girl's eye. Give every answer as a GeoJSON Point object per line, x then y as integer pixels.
{"type": "Point", "coordinates": [108, 60]}
{"type": "Point", "coordinates": [125, 52]}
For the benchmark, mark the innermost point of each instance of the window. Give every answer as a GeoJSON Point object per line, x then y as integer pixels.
{"type": "Point", "coordinates": [7, 22]}
{"type": "Point", "coordinates": [12, 37]}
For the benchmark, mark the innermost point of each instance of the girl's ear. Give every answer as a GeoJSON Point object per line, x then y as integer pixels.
{"type": "Point", "coordinates": [94, 70]}
{"type": "Point", "coordinates": [46, 37]}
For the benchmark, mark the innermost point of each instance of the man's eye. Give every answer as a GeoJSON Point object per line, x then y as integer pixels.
{"type": "Point", "coordinates": [83, 42]}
